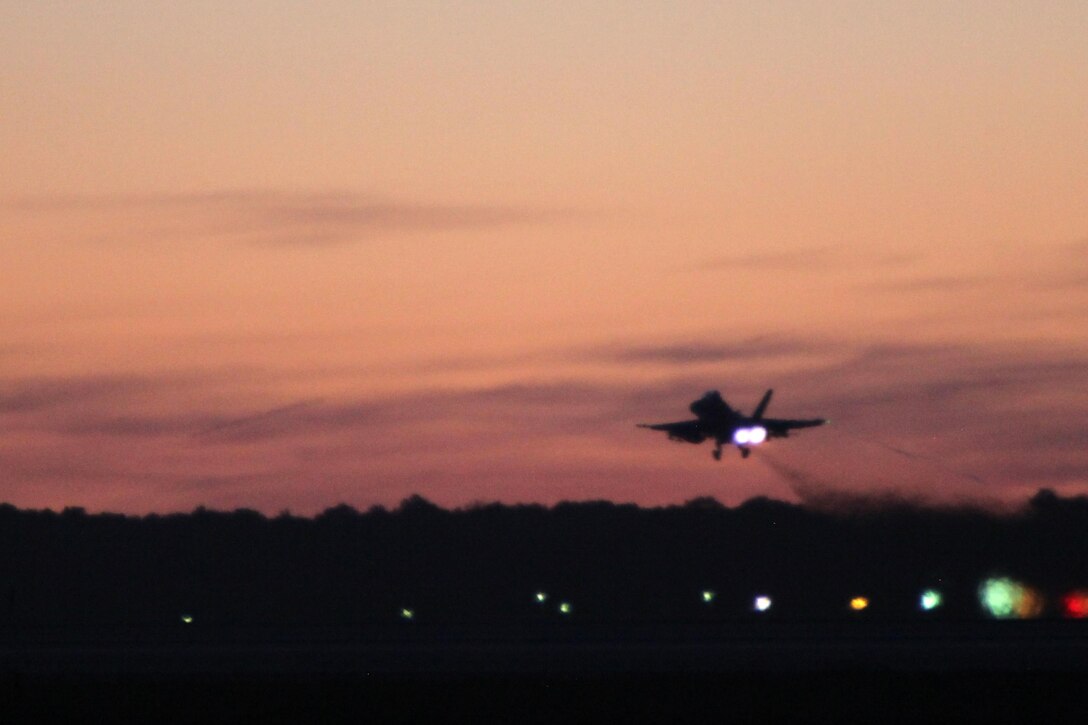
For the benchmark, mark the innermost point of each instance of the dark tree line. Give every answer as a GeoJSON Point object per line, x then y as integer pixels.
{"type": "Point", "coordinates": [612, 562]}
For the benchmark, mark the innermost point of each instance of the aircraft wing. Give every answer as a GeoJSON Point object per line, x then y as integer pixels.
{"type": "Point", "coordinates": [780, 428]}
{"type": "Point", "coordinates": [685, 430]}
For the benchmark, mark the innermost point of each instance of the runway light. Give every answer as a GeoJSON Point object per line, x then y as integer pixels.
{"type": "Point", "coordinates": [187, 618]}
{"type": "Point", "coordinates": [708, 596]}
{"type": "Point", "coordinates": [930, 599]}
{"type": "Point", "coordinates": [999, 596]}
{"type": "Point", "coordinates": [762, 603]}
{"type": "Point", "coordinates": [742, 436]}
{"type": "Point", "coordinates": [1031, 604]}
{"type": "Point", "coordinates": [541, 597]}
{"type": "Point", "coordinates": [564, 608]}
{"type": "Point", "coordinates": [407, 613]}
{"type": "Point", "coordinates": [1005, 598]}
{"type": "Point", "coordinates": [1075, 604]}
{"type": "Point", "coordinates": [859, 603]}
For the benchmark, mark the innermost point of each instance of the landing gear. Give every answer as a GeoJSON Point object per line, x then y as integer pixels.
{"type": "Point", "coordinates": [717, 453]}
{"type": "Point", "coordinates": [745, 452]}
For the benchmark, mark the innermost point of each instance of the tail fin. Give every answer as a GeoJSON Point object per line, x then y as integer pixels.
{"type": "Point", "coordinates": [762, 405]}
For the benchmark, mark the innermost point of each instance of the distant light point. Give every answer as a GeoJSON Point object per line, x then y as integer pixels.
{"type": "Point", "coordinates": [1075, 604]}
{"type": "Point", "coordinates": [930, 599]}
{"type": "Point", "coordinates": [407, 613]}
{"type": "Point", "coordinates": [541, 597]}
{"type": "Point", "coordinates": [762, 603]}
{"type": "Point", "coordinates": [859, 603]}
{"type": "Point", "coordinates": [564, 608]}
{"type": "Point", "coordinates": [187, 618]}
{"type": "Point", "coordinates": [1004, 598]}
{"type": "Point", "coordinates": [708, 596]}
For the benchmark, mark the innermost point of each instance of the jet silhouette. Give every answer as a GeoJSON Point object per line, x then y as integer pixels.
{"type": "Point", "coordinates": [716, 420]}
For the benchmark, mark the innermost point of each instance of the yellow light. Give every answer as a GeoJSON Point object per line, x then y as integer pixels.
{"type": "Point", "coordinates": [187, 618]}
{"type": "Point", "coordinates": [407, 613]}
{"type": "Point", "coordinates": [564, 608]}
{"type": "Point", "coordinates": [859, 603]}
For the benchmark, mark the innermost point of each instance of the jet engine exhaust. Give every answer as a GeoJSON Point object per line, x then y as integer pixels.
{"type": "Point", "coordinates": [752, 436]}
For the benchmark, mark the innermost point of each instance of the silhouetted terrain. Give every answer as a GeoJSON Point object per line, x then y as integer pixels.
{"type": "Point", "coordinates": [612, 563]}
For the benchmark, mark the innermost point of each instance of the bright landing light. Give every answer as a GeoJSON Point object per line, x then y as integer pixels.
{"type": "Point", "coordinates": [762, 604]}
{"type": "Point", "coordinates": [930, 599]}
{"type": "Point", "coordinates": [750, 436]}
{"type": "Point", "coordinates": [708, 596]}
{"type": "Point", "coordinates": [859, 603]}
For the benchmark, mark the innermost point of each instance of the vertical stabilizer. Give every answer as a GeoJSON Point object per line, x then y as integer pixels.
{"type": "Point", "coordinates": [762, 405]}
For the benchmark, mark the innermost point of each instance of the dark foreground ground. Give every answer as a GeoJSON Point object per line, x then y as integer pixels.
{"type": "Point", "coordinates": [816, 671]}
{"type": "Point", "coordinates": [660, 624]}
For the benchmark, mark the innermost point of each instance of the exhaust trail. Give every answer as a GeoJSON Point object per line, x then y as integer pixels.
{"type": "Point", "coordinates": [911, 455]}
{"type": "Point", "coordinates": [806, 487]}
{"type": "Point", "coordinates": [846, 494]}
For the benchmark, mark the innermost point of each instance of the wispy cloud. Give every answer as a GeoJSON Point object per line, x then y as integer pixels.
{"type": "Point", "coordinates": [278, 218]}
{"type": "Point", "coordinates": [24, 395]}
{"type": "Point", "coordinates": [811, 258]}
{"type": "Point", "coordinates": [696, 351]}
{"type": "Point", "coordinates": [931, 284]}
{"type": "Point", "coordinates": [818, 257]}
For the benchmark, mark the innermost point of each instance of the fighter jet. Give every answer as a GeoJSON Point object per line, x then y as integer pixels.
{"type": "Point", "coordinates": [716, 420]}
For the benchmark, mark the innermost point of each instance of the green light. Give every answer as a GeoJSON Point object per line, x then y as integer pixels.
{"type": "Point", "coordinates": [187, 618]}
{"type": "Point", "coordinates": [1006, 598]}
{"type": "Point", "coordinates": [564, 607]}
{"type": "Point", "coordinates": [407, 613]}
{"type": "Point", "coordinates": [931, 599]}
{"type": "Point", "coordinates": [1000, 596]}
{"type": "Point", "coordinates": [708, 596]}
{"type": "Point", "coordinates": [541, 597]}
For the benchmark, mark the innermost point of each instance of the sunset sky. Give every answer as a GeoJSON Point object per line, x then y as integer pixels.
{"type": "Point", "coordinates": [284, 255]}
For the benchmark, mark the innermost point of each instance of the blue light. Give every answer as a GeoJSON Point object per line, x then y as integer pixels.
{"type": "Point", "coordinates": [930, 599]}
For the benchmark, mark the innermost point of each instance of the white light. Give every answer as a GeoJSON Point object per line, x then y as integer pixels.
{"type": "Point", "coordinates": [541, 597]}
{"type": "Point", "coordinates": [741, 436]}
{"type": "Point", "coordinates": [187, 618]}
{"type": "Point", "coordinates": [762, 604]}
{"type": "Point", "coordinates": [757, 434]}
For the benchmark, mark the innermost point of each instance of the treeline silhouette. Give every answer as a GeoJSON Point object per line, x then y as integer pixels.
{"type": "Point", "coordinates": [611, 562]}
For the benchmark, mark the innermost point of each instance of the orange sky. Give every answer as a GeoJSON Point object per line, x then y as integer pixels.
{"type": "Point", "coordinates": [282, 255]}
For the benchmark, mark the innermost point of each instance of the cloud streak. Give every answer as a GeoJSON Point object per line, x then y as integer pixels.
{"type": "Point", "coordinates": [696, 352]}
{"type": "Point", "coordinates": [281, 219]}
